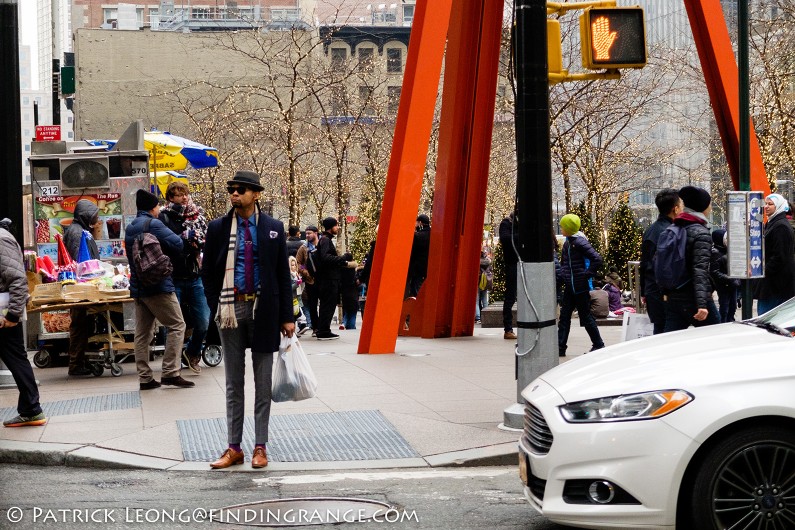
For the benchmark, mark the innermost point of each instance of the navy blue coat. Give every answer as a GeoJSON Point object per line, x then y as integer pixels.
{"type": "Point", "coordinates": [574, 271]}
{"type": "Point", "coordinates": [170, 243]}
{"type": "Point", "coordinates": [275, 303]}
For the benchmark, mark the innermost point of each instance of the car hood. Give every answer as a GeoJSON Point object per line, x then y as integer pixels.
{"type": "Point", "coordinates": [688, 359]}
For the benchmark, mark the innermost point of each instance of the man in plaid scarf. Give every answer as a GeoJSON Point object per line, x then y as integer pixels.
{"type": "Point", "coordinates": [247, 281]}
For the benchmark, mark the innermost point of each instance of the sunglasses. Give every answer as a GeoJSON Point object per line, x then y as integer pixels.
{"type": "Point", "coordinates": [241, 190]}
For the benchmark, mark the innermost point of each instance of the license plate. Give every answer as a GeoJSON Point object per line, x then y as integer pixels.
{"type": "Point", "coordinates": [523, 468]}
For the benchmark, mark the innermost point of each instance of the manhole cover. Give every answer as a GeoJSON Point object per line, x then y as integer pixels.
{"type": "Point", "coordinates": [322, 353]}
{"type": "Point", "coordinates": [304, 512]}
{"type": "Point", "coordinates": [414, 354]}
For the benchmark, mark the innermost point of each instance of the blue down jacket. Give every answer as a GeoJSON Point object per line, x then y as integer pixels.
{"type": "Point", "coordinates": [578, 263]}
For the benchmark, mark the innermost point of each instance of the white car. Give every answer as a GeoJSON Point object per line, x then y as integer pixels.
{"type": "Point", "coordinates": [691, 430]}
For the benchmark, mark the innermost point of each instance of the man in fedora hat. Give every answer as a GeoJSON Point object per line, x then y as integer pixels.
{"type": "Point", "coordinates": [247, 281]}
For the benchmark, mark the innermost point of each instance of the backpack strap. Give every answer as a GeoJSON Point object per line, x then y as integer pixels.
{"type": "Point", "coordinates": [147, 223]}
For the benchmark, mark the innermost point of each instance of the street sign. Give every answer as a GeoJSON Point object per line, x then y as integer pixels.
{"type": "Point", "coordinates": [48, 133]}
{"type": "Point", "coordinates": [746, 250]}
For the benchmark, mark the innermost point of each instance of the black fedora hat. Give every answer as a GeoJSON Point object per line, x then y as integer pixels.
{"type": "Point", "coordinates": [246, 178]}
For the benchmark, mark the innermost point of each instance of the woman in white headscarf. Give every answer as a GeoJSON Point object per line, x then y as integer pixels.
{"type": "Point", "coordinates": [778, 285]}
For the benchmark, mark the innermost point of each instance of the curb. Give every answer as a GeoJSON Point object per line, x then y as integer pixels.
{"type": "Point", "coordinates": [76, 455]}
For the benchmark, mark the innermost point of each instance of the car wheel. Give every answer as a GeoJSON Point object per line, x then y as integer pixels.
{"type": "Point", "coordinates": [745, 481]}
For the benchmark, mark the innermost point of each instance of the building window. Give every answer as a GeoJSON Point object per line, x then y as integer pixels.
{"type": "Point", "coordinates": [109, 15]}
{"type": "Point", "coordinates": [338, 57]}
{"type": "Point", "coordinates": [285, 14]}
{"type": "Point", "coordinates": [338, 101]}
{"type": "Point", "coordinates": [200, 13]}
{"type": "Point", "coordinates": [394, 60]}
{"type": "Point", "coordinates": [366, 59]}
{"type": "Point", "coordinates": [408, 14]}
{"type": "Point", "coordinates": [366, 100]}
{"type": "Point", "coordinates": [26, 100]}
{"type": "Point", "coordinates": [154, 18]}
{"type": "Point", "coordinates": [393, 96]}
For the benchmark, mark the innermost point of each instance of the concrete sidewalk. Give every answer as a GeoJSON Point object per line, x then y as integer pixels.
{"type": "Point", "coordinates": [435, 402]}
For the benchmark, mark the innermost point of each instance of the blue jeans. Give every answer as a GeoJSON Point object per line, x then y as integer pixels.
{"type": "Point", "coordinates": [482, 301]}
{"type": "Point", "coordinates": [679, 314]}
{"type": "Point", "coordinates": [349, 320]}
{"type": "Point", "coordinates": [766, 304]}
{"type": "Point", "coordinates": [190, 294]}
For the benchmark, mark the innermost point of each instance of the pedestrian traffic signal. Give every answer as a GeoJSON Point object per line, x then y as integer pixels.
{"type": "Point", "coordinates": [613, 37]}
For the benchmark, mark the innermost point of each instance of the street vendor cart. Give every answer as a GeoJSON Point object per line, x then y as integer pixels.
{"type": "Point", "coordinates": [63, 173]}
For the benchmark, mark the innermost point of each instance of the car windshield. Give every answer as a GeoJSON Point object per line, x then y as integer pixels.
{"type": "Point", "coordinates": [782, 317]}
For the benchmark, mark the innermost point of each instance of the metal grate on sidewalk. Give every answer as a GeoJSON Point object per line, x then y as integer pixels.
{"type": "Point", "coordinates": [84, 405]}
{"type": "Point", "coordinates": [319, 437]}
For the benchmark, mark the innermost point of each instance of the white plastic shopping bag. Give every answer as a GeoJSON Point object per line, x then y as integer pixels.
{"type": "Point", "coordinates": [635, 326]}
{"type": "Point", "coordinates": [293, 378]}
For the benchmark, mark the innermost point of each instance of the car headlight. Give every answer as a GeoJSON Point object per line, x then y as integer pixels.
{"type": "Point", "coordinates": [643, 406]}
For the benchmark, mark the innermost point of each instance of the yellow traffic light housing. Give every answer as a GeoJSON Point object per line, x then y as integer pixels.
{"type": "Point", "coordinates": [613, 37]}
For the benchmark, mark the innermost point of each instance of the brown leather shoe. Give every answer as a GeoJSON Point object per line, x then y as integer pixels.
{"type": "Point", "coordinates": [229, 458]}
{"type": "Point", "coordinates": [260, 459]}
{"type": "Point", "coordinates": [509, 335]}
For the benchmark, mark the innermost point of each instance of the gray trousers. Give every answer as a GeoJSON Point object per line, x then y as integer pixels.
{"type": "Point", "coordinates": [165, 308]}
{"type": "Point", "coordinates": [234, 342]}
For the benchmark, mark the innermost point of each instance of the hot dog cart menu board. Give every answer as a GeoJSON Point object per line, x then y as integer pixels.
{"type": "Point", "coordinates": [54, 214]}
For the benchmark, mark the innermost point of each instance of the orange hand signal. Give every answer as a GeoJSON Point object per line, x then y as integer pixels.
{"type": "Point", "coordinates": [602, 38]}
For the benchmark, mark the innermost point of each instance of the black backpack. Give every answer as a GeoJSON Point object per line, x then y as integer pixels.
{"type": "Point", "coordinates": [151, 265]}
{"type": "Point", "coordinates": [670, 261]}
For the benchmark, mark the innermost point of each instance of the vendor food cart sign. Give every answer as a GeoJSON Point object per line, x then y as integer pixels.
{"type": "Point", "coordinates": [746, 251]}
{"type": "Point", "coordinates": [54, 213]}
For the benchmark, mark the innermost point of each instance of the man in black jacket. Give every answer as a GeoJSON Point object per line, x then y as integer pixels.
{"type": "Point", "coordinates": [293, 240]}
{"type": "Point", "coordinates": [692, 302]}
{"type": "Point", "coordinates": [509, 241]}
{"type": "Point", "coordinates": [418, 261]}
{"type": "Point", "coordinates": [246, 278]}
{"type": "Point", "coordinates": [330, 265]}
{"type": "Point", "coordinates": [669, 205]}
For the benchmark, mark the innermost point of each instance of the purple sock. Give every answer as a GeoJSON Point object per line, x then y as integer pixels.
{"type": "Point", "coordinates": [235, 447]}
{"type": "Point", "coordinates": [259, 445]}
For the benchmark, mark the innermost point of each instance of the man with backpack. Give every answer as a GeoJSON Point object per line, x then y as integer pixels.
{"type": "Point", "coordinates": [682, 264]}
{"type": "Point", "coordinates": [149, 243]}
{"type": "Point", "coordinates": [669, 205]}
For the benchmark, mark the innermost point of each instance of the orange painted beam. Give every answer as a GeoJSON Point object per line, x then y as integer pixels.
{"type": "Point", "coordinates": [470, 79]}
{"type": "Point", "coordinates": [404, 176]}
{"type": "Point", "coordinates": [723, 81]}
